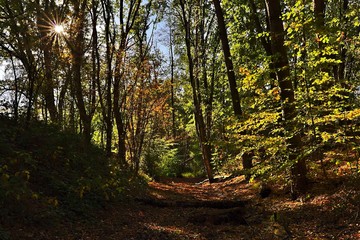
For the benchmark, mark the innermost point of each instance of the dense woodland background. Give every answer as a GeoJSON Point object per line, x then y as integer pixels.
{"type": "Point", "coordinates": [269, 89]}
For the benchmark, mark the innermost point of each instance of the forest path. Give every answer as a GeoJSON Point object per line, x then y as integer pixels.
{"type": "Point", "coordinates": [199, 189]}
{"type": "Point", "coordinates": [196, 219]}
{"type": "Point", "coordinates": [329, 213]}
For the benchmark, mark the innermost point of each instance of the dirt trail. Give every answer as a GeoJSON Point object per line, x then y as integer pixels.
{"type": "Point", "coordinates": [200, 189]}
{"type": "Point", "coordinates": [275, 217]}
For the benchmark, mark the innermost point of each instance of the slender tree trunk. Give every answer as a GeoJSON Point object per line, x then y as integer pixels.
{"type": "Point", "coordinates": [281, 64]}
{"type": "Point", "coordinates": [173, 116]}
{"type": "Point", "coordinates": [78, 58]}
{"type": "Point", "coordinates": [209, 107]}
{"type": "Point", "coordinates": [265, 41]}
{"type": "Point", "coordinates": [319, 16]}
{"type": "Point", "coordinates": [343, 51]}
{"type": "Point", "coordinates": [126, 27]}
{"type": "Point", "coordinates": [107, 107]}
{"type": "Point", "coordinates": [62, 95]}
{"type": "Point", "coordinates": [16, 86]}
{"type": "Point", "coordinates": [119, 119]}
{"type": "Point", "coordinates": [199, 120]}
{"type": "Point", "coordinates": [31, 89]}
{"type": "Point", "coordinates": [48, 85]}
{"type": "Point", "coordinates": [228, 60]}
{"type": "Point", "coordinates": [95, 58]}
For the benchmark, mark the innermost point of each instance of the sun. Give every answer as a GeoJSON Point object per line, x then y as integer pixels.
{"type": "Point", "coordinates": [59, 29]}
{"type": "Point", "coordinates": [53, 28]}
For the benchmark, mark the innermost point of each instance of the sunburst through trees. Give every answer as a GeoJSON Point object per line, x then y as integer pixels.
{"type": "Point", "coordinates": [53, 28]}
{"type": "Point", "coordinates": [59, 29]}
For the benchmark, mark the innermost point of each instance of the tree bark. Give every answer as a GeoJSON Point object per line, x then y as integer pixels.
{"type": "Point", "coordinates": [228, 60]}
{"type": "Point", "coordinates": [47, 41]}
{"type": "Point", "coordinates": [62, 95]}
{"type": "Point", "coordinates": [265, 41]}
{"type": "Point", "coordinates": [343, 51]}
{"type": "Point", "coordinates": [49, 86]}
{"type": "Point", "coordinates": [107, 106]}
{"type": "Point", "coordinates": [319, 12]}
{"type": "Point", "coordinates": [281, 64]}
{"type": "Point", "coordinates": [95, 58]}
{"type": "Point", "coordinates": [319, 15]}
{"type": "Point", "coordinates": [172, 66]}
{"type": "Point", "coordinates": [78, 52]}
{"type": "Point", "coordinates": [126, 27]}
{"type": "Point", "coordinates": [118, 115]}
{"type": "Point", "coordinates": [199, 119]}
{"type": "Point", "coordinates": [16, 89]}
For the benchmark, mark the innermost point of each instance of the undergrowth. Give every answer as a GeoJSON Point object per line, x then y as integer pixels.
{"type": "Point", "coordinates": [46, 173]}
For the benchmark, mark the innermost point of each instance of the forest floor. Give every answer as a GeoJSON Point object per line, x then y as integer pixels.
{"type": "Point", "coordinates": [231, 209]}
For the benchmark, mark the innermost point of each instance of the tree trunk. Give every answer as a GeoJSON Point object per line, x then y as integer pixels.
{"type": "Point", "coordinates": [95, 58]}
{"type": "Point", "coordinates": [107, 106]}
{"type": "Point", "coordinates": [46, 43]}
{"type": "Point", "coordinates": [199, 119]}
{"type": "Point", "coordinates": [62, 95]}
{"type": "Point", "coordinates": [319, 15]}
{"type": "Point", "coordinates": [343, 51]}
{"type": "Point", "coordinates": [265, 41]}
{"type": "Point", "coordinates": [119, 117]}
{"type": "Point", "coordinates": [319, 12]}
{"type": "Point", "coordinates": [228, 60]}
{"type": "Point", "coordinates": [126, 27]}
{"type": "Point", "coordinates": [172, 66]}
{"type": "Point", "coordinates": [78, 55]}
{"type": "Point", "coordinates": [49, 86]}
{"type": "Point", "coordinates": [31, 70]}
{"type": "Point", "coordinates": [281, 64]}
{"type": "Point", "coordinates": [16, 89]}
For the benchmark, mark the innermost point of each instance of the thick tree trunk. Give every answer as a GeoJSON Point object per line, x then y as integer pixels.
{"type": "Point", "coordinates": [281, 64]}
{"type": "Point", "coordinates": [228, 60]}
{"type": "Point", "coordinates": [319, 12]}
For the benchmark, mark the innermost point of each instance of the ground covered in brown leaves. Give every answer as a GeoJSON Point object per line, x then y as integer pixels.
{"type": "Point", "coordinates": [329, 211]}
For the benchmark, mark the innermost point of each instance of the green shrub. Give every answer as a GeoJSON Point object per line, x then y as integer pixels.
{"type": "Point", "coordinates": [42, 165]}
{"type": "Point", "coordinates": [161, 159]}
